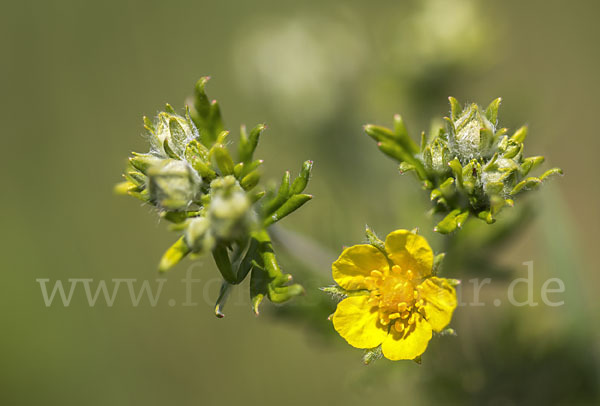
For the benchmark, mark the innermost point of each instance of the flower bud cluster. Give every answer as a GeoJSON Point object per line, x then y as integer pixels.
{"type": "Point", "coordinates": [471, 167]}
{"type": "Point", "coordinates": [191, 177]}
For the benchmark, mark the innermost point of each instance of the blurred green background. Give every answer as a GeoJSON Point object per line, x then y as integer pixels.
{"type": "Point", "coordinates": [76, 77]}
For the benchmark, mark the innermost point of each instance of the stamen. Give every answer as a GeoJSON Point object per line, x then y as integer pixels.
{"type": "Point", "coordinates": [399, 326]}
{"type": "Point", "coordinates": [412, 318]}
{"type": "Point", "coordinates": [376, 274]}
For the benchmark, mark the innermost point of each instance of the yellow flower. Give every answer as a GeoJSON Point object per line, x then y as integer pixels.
{"type": "Point", "coordinates": [397, 302]}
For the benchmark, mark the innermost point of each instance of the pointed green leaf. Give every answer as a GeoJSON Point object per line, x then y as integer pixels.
{"type": "Point", "coordinates": [291, 205]}
{"type": "Point", "coordinates": [251, 180]}
{"type": "Point", "coordinates": [221, 257]}
{"type": "Point", "coordinates": [301, 181]}
{"type": "Point", "coordinates": [551, 172]}
{"type": "Point", "coordinates": [174, 255]}
{"type": "Point", "coordinates": [222, 159]}
{"type": "Point", "coordinates": [223, 295]}
{"type": "Point", "coordinates": [530, 164]}
{"type": "Point", "coordinates": [281, 197]}
{"type": "Point", "coordinates": [448, 224]}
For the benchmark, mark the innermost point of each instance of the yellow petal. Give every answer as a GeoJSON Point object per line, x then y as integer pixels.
{"type": "Point", "coordinates": [358, 322]}
{"type": "Point", "coordinates": [355, 263]}
{"type": "Point", "coordinates": [440, 301]}
{"type": "Point", "coordinates": [408, 344]}
{"type": "Point", "coordinates": [410, 251]}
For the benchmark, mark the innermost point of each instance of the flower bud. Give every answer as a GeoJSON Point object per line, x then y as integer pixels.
{"type": "Point", "coordinates": [171, 134]}
{"type": "Point", "coordinates": [198, 235]}
{"type": "Point", "coordinates": [229, 210]}
{"type": "Point", "coordinates": [173, 185]}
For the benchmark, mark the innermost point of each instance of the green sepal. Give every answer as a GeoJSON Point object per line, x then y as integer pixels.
{"type": "Point", "coordinates": [142, 162]}
{"type": "Point", "coordinates": [169, 109]}
{"type": "Point", "coordinates": [195, 150]}
{"type": "Point", "coordinates": [457, 170]}
{"type": "Point", "coordinates": [448, 332]}
{"type": "Point", "coordinates": [123, 188]}
{"type": "Point", "coordinates": [372, 354]}
{"type": "Point", "coordinates": [450, 128]}
{"type": "Point", "coordinates": [513, 150]}
{"type": "Point", "coordinates": [374, 240]}
{"type": "Point", "coordinates": [447, 188]}
{"type": "Point", "coordinates": [135, 177]}
{"type": "Point", "coordinates": [341, 293]}
{"type": "Point", "coordinates": [169, 151]}
{"type": "Point", "coordinates": [178, 136]}
{"type": "Point", "coordinates": [486, 137]}
{"type": "Point", "coordinates": [149, 125]}
{"type": "Point", "coordinates": [144, 195]}
{"type": "Point", "coordinates": [491, 113]}
{"type": "Point", "coordinates": [178, 216]}
{"type": "Point", "coordinates": [437, 263]}
{"type": "Point", "coordinates": [204, 171]}
{"type": "Point", "coordinates": [455, 108]}
{"type": "Point", "coordinates": [520, 134]}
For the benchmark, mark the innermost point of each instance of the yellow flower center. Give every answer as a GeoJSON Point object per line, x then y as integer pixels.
{"type": "Point", "coordinates": [394, 293]}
